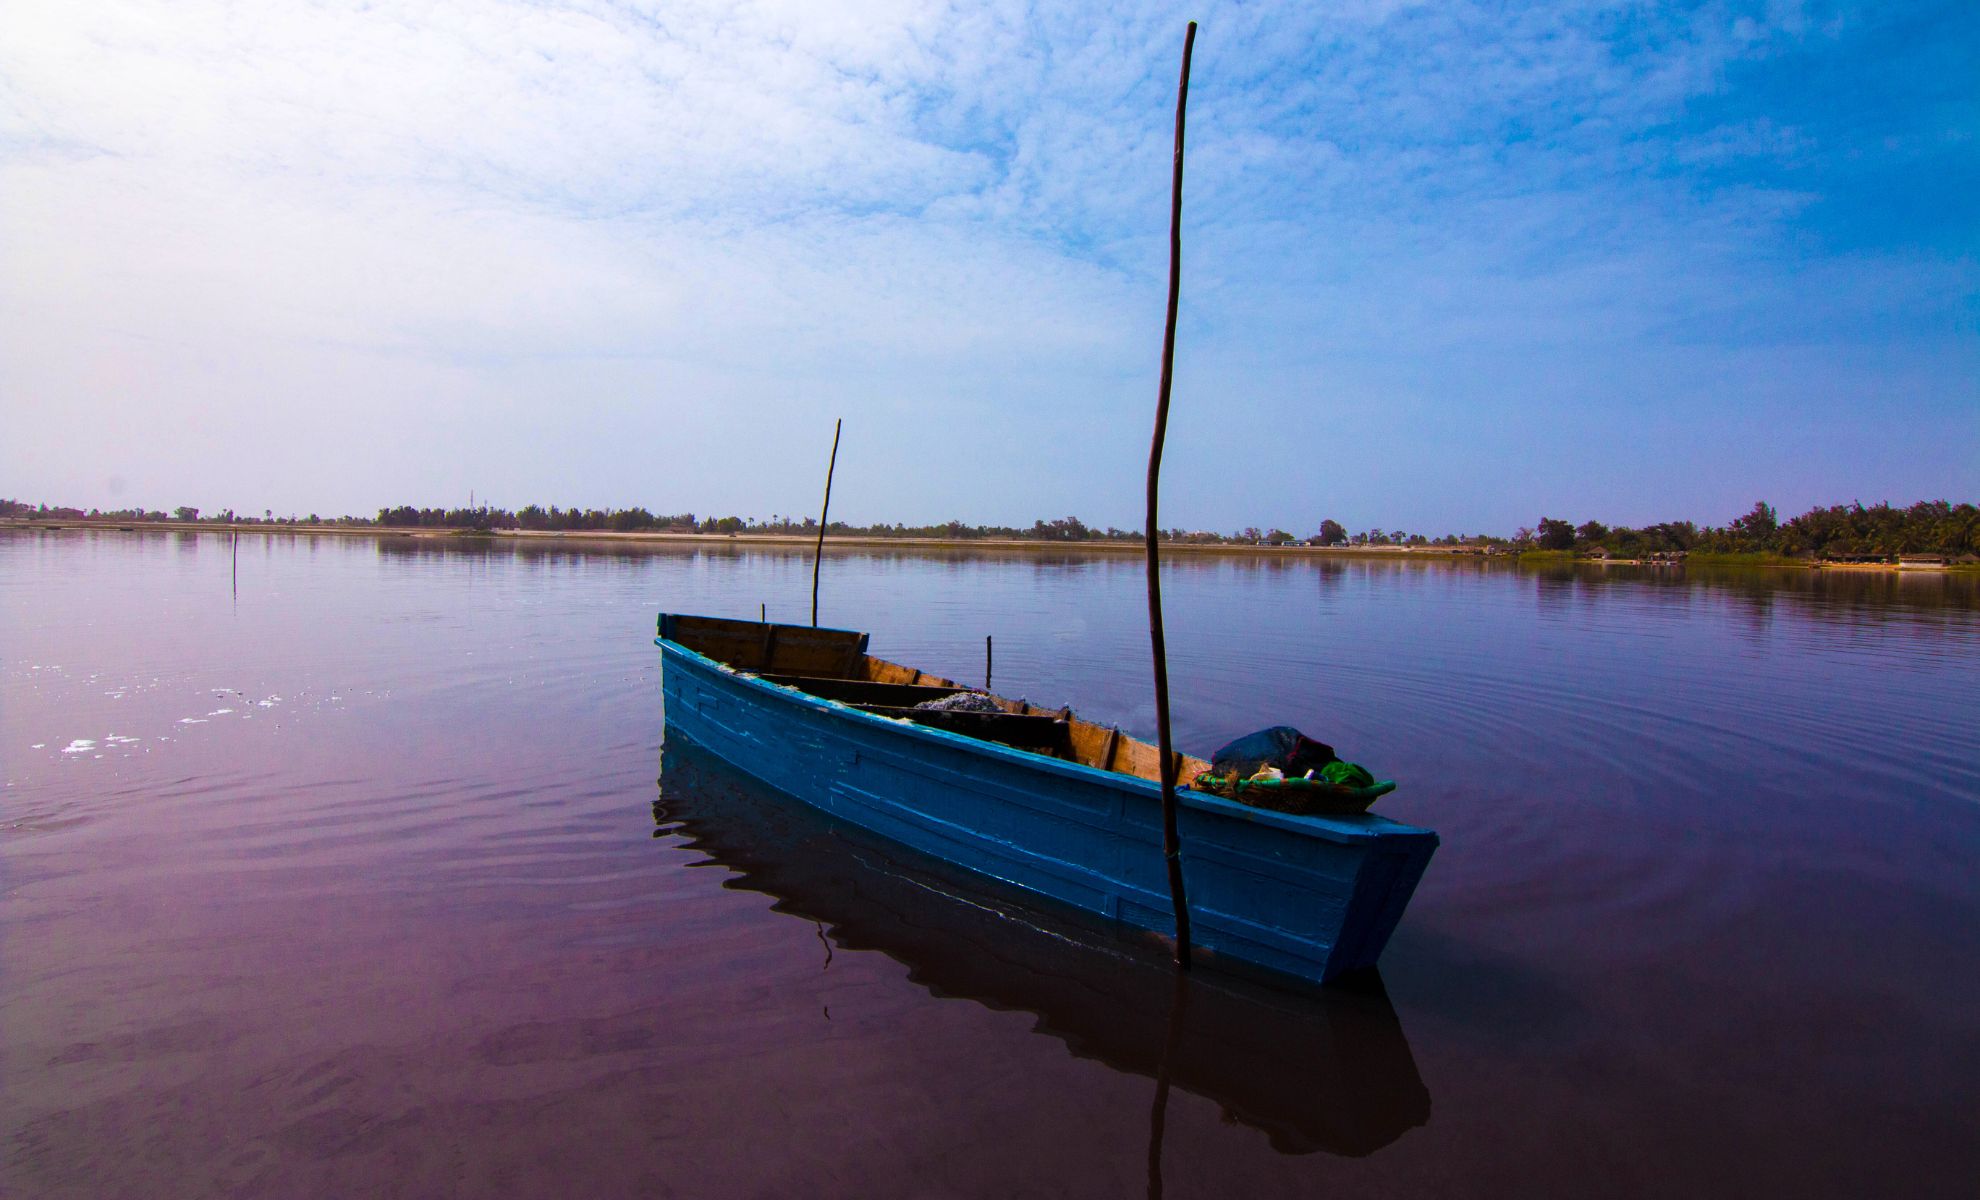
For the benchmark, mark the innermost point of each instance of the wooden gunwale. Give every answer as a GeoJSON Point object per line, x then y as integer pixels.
{"type": "Point", "coordinates": [818, 661]}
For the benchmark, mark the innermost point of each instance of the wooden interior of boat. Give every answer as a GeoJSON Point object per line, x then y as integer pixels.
{"type": "Point", "coordinates": [833, 664]}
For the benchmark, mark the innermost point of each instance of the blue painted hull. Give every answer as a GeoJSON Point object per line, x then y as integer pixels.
{"type": "Point", "coordinates": [1307, 897]}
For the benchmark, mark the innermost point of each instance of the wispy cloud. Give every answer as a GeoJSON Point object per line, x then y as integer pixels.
{"type": "Point", "coordinates": [550, 246]}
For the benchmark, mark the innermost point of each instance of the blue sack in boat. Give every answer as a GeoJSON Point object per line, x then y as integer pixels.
{"type": "Point", "coordinates": [1281, 746]}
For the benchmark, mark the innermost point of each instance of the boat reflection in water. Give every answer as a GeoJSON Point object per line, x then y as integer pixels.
{"type": "Point", "coordinates": [1316, 1070]}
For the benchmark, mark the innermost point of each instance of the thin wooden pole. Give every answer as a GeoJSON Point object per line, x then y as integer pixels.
{"type": "Point", "coordinates": [819, 553]}
{"type": "Point", "coordinates": [986, 662]}
{"type": "Point", "coordinates": [1171, 840]}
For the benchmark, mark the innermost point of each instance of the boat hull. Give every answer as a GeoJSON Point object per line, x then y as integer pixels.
{"type": "Point", "coordinates": [1310, 898]}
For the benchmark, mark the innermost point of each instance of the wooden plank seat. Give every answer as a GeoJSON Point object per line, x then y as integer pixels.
{"type": "Point", "coordinates": [1042, 733]}
{"type": "Point", "coordinates": [864, 692]}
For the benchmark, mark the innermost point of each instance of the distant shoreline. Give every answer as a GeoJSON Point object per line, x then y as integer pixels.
{"type": "Point", "coordinates": [605, 537]}
{"type": "Point", "coordinates": [601, 539]}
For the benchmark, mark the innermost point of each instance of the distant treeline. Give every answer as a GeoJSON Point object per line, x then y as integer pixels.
{"type": "Point", "coordinates": [636, 520]}
{"type": "Point", "coordinates": [1840, 531]}
{"type": "Point", "coordinates": [615, 520]}
{"type": "Point", "coordinates": [57, 512]}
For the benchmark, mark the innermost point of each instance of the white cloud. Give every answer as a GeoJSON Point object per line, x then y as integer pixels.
{"type": "Point", "coordinates": [239, 241]}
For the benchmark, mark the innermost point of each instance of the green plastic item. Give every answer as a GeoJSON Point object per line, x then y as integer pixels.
{"type": "Point", "coordinates": [1301, 797]}
{"type": "Point", "coordinates": [1347, 774]}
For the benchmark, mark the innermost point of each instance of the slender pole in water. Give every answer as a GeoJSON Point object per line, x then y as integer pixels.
{"type": "Point", "coordinates": [819, 553]}
{"type": "Point", "coordinates": [986, 662]}
{"type": "Point", "coordinates": [1171, 841]}
{"type": "Point", "coordinates": [234, 543]}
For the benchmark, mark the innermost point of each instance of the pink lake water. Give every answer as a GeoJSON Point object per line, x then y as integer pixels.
{"type": "Point", "coordinates": [358, 882]}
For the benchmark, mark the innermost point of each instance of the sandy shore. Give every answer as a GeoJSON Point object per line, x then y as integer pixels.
{"type": "Point", "coordinates": [605, 538]}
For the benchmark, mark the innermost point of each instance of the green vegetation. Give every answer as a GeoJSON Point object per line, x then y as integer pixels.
{"type": "Point", "coordinates": [639, 520]}
{"type": "Point", "coordinates": [1840, 532]}
{"type": "Point", "coordinates": [1845, 532]}
{"type": "Point", "coordinates": [185, 514]}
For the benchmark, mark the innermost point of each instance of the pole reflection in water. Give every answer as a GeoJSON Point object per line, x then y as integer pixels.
{"type": "Point", "coordinates": [1314, 1070]}
{"type": "Point", "coordinates": [1158, 1113]}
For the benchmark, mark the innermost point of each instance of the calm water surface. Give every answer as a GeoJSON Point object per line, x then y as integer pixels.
{"type": "Point", "coordinates": [356, 884]}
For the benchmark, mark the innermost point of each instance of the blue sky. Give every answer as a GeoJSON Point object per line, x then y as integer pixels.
{"type": "Point", "coordinates": [1448, 267]}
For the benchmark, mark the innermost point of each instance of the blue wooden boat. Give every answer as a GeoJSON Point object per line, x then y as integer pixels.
{"type": "Point", "coordinates": [1060, 807]}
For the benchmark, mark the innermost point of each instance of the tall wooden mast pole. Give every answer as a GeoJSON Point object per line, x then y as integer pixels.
{"type": "Point", "coordinates": [1171, 841]}
{"type": "Point", "coordinates": [819, 553]}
